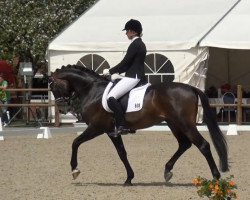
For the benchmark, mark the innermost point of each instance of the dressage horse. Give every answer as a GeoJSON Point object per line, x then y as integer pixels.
{"type": "Point", "coordinates": [174, 103]}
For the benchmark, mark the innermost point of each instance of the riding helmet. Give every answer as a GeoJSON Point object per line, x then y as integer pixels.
{"type": "Point", "coordinates": [133, 25]}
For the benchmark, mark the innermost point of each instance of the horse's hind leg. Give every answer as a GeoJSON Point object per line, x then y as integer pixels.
{"type": "Point", "coordinates": [184, 144]}
{"type": "Point", "coordinates": [196, 138]}
{"type": "Point", "coordinates": [118, 143]}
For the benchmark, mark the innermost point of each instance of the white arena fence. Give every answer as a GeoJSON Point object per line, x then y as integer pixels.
{"type": "Point", "coordinates": [39, 133]}
{"type": "Point", "coordinates": [78, 128]}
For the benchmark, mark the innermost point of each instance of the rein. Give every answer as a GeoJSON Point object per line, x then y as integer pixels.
{"type": "Point", "coordinates": [62, 99]}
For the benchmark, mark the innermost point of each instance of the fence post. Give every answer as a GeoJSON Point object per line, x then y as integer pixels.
{"type": "Point", "coordinates": [57, 121]}
{"type": "Point", "coordinates": [28, 104]}
{"type": "Point", "coordinates": [239, 104]}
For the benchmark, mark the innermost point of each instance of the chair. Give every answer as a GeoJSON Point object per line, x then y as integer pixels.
{"type": "Point", "coordinates": [228, 98]}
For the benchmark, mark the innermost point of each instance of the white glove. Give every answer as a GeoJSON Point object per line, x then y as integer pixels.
{"type": "Point", "coordinates": [105, 72]}
{"type": "Point", "coordinates": [116, 76]}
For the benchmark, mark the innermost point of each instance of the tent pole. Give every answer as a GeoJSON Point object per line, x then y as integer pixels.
{"type": "Point", "coordinates": [228, 67]}
{"type": "Point", "coordinates": [239, 106]}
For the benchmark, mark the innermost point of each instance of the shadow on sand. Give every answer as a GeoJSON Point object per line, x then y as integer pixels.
{"type": "Point", "coordinates": [151, 184]}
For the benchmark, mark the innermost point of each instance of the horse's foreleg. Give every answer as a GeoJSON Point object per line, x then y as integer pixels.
{"type": "Point", "coordinates": [88, 134]}
{"type": "Point", "coordinates": [118, 143]}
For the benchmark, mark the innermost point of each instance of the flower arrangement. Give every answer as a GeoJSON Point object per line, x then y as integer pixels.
{"type": "Point", "coordinates": [222, 189]}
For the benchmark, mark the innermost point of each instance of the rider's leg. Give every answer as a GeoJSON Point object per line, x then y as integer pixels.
{"type": "Point", "coordinates": [115, 106]}
{"type": "Point", "coordinates": [121, 88]}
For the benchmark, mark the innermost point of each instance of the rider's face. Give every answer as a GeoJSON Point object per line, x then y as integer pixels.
{"type": "Point", "coordinates": [130, 34]}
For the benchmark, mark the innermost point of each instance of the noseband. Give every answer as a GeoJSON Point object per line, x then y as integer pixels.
{"type": "Point", "coordinates": [63, 99]}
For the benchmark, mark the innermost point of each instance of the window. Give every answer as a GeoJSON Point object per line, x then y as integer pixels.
{"type": "Point", "coordinates": [158, 68]}
{"type": "Point", "coordinates": [93, 61]}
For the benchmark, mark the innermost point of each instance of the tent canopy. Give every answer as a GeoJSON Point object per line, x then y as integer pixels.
{"type": "Point", "coordinates": [180, 30]}
{"type": "Point", "coordinates": [167, 24]}
{"type": "Point", "coordinates": [233, 32]}
{"type": "Point", "coordinates": [229, 44]}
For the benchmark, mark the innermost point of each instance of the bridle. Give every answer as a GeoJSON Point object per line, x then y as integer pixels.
{"type": "Point", "coordinates": [66, 99]}
{"type": "Point", "coordinates": [62, 99]}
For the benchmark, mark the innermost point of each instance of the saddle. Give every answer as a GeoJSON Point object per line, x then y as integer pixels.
{"type": "Point", "coordinates": [131, 101]}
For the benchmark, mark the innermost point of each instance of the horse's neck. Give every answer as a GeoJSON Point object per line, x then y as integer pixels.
{"type": "Point", "coordinates": [84, 86]}
{"type": "Point", "coordinates": [81, 85]}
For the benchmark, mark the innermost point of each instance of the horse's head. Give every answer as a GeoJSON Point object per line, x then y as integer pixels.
{"type": "Point", "coordinates": [62, 93]}
{"type": "Point", "coordinates": [73, 81]}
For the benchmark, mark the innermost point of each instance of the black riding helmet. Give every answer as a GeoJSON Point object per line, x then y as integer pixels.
{"type": "Point", "coordinates": [133, 25]}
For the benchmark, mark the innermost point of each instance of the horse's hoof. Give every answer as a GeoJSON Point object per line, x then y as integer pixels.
{"type": "Point", "coordinates": [75, 173]}
{"type": "Point", "coordinates": [168, 176]}
{"type": "Point", "coordinates": [127, 183]}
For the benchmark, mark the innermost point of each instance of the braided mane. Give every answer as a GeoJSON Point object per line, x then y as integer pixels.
{"type": "Point", "coordinates": [82, 69]}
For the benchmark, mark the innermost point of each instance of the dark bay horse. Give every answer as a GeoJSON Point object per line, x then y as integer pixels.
{"type": "Point", "coordinates": [175, 103]}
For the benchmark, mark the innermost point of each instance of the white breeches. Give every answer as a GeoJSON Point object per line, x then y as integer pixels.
{"type": "Point", "coordinates": [122, 87]}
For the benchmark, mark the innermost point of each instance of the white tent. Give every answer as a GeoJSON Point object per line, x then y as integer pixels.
{"type": "Point", "coordinates": [168, 24]}
{"type": "Point", "coordinates": [172, 30]}
{"type": "Point", "coordinates": [230, 49]}
{"type": "Point", "coordinates": [232, 32]}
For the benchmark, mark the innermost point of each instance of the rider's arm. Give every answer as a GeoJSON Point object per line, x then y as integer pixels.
{"type": "Point", "coordinates": [125, 64]}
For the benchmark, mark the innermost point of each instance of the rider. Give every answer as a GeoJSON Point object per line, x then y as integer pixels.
{"type": "Point", "coordinates": [133, 66]}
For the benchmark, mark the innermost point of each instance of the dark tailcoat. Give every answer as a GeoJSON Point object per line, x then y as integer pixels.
{"type": "Point", "coordinates": [133, 62]}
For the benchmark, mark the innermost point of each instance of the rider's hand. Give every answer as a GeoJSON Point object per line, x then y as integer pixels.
{"type": "Point", "coordinates": [106, 72]}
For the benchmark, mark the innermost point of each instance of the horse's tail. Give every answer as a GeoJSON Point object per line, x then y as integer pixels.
{"type": "Point", "coordinates": [216, 135]}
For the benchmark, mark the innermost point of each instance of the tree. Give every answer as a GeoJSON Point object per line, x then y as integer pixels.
{"type": "Point", "coordinates": [27, 26]}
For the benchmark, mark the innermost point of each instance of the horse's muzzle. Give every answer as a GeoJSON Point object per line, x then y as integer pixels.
{"type": "Point", "coordinates": [63, 108]}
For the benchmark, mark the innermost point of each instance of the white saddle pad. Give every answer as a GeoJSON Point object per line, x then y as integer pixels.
{"type": "Point", "coordinates": [135, 101]}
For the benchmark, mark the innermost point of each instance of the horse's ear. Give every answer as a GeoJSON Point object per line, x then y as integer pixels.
{"type": "Point", "coordinates": [51, 77]}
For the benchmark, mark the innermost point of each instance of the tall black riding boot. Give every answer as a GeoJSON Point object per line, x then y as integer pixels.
{"type": "Point", "coordinates": [115, 106]}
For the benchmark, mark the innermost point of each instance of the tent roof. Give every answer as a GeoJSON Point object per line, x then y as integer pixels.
{"type": "Point", "coordinates": [167, 24]}
{"type": "Point", "coordinates": [232, 32]}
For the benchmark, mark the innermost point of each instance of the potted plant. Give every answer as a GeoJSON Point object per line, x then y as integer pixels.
{"type": "Point", "coordinates": [222, 189]}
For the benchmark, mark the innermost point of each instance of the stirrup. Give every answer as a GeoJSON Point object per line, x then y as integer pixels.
{"type": "Point", "coordinates": [121, 130]}
{"type": "Point", "coordinates": [114, 133]}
